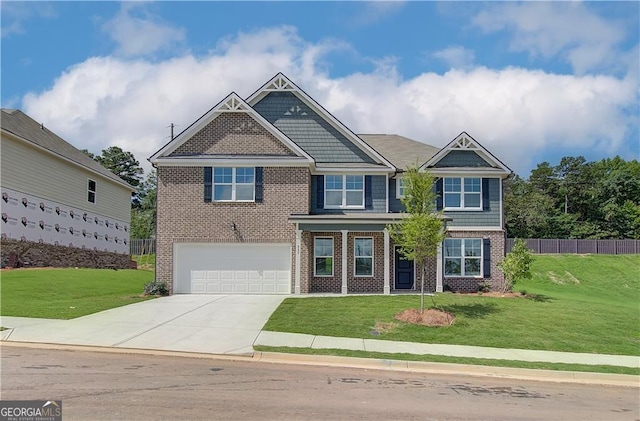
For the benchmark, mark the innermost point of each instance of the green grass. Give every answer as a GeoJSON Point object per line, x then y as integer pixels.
{"type": "Point", "coordinates": [577, 304]}
{"type": "Point", "coordinates": [455, 360]}
{"type": "Point", "coordinates": [69, 293]}
{"type": "Point", "coordinates": [145, 261]}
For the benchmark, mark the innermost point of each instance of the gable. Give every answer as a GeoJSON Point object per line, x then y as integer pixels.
{"type": "Point", "coordinates": [457, 158]}
{"type": "Point", "coordinates": [308, 129]}
{"type": "Point", "coordinates": [233, 133]}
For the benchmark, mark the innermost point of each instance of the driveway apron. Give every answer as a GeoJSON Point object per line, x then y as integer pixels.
{"type": "Point", "coordinates": [217, 324]}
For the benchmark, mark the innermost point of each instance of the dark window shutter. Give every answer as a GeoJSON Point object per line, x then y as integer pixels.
{"type": "Point", "coordinates": [439, 191]}
{"type": "Point", "coordinates": [208, 184]}
{"type": "Point", "coordinates": [486, 204]}
{"type": "Point", "coordinates": [486, 257]}
{"type": "Point", "coordinates": [320, 191]}
{"type": "Point", "coordinates": [259, 183]}
{"type": "Point", "coordinates": [368, 199]}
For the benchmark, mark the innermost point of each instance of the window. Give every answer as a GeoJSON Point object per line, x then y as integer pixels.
{"type": "Point", "coordinates": [462, 256]}
{"type": "Point", "coordinates": [344, 191]}
{"type": "Point", "coordinates": [323, 256]}
{"type": "Point", "coordinates": [91, 191]}
{"type": "Point", "coordinates": [233, 184]}
{"type": "Point", "coordinates": [462, 193]}
{"type": "Point", "coordinates": [400, 182]}
{"type": "Point", "coordinates": [363, 255]}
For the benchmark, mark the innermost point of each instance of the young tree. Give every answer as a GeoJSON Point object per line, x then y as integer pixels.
{"type": "Point", "coordinates": [422, 231]}
{"type": "Point", "coordinates": [517, 265]}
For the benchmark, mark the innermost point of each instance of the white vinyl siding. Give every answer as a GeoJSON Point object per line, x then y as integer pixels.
{"type": "Point", "coordinates": [32, 171]}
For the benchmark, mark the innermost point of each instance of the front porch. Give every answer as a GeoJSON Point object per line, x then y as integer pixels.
{"type": "Point", "coordinates": [354, 254]}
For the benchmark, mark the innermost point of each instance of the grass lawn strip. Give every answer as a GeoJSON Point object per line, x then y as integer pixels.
{"type": "Point", "coordinates": [589, 304]}
{"type": "Point", "coordinates": [454, 360]}
{"type": "Point", "coordinates": [69, 293]}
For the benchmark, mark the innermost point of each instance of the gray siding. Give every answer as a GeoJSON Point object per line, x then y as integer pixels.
{"type": "Point", "coordinates": [339, 227]}
{"type": "Point", "coordinates": [461, 159]}
{"type": "Point", "coordinates": [378, 195]}
{"type": "Point", "coordinates": [487, 218]}
{"type": "Point", "coordinates": [32, 171]}
{"type": "Point", "coordinates": [308, 129]}
{"type": "Point", "coordinates": [395, 205]}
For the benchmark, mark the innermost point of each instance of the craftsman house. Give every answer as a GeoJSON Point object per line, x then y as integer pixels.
{"type": "Point", "coordinates": [271, 194]}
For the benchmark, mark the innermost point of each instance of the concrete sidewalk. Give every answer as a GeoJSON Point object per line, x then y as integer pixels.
{"type": "Point", "coordinates": [295, 340]}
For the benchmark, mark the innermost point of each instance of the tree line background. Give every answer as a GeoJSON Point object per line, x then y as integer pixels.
{"type": "Point", "coordinates": [575, 199]}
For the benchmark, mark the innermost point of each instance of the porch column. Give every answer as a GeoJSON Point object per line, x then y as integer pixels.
{"type": "Point", "coordinates": [387, 265]}
{"type": "Point", "coordinates": [296, 288]}
{"type": "Point", "coordinates": [439, 269]}
{"type": "Point", "coordinates": [344, 261]}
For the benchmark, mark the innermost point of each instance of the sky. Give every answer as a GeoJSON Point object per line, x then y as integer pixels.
{"type": "Point", "coordinates": [531, 81]}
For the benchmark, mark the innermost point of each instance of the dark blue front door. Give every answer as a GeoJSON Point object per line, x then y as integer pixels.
{"type": "Point", "coordinates": [404, 272]}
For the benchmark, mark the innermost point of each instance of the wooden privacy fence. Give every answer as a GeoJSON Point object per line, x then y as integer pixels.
{"type": "Point", "coordinates": [564, 246]}
{"type": "Point", "coordinates": [142, 246]}
{"type": "Point", "coordinates": [537, 245]}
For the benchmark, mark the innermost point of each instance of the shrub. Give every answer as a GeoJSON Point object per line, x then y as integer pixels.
{"type": "Point", "coordinates": [517, 265]}
{"type": "Point", "coordinates": [156, 288]}
{"type": "Point", "coordinates": [484, 287]}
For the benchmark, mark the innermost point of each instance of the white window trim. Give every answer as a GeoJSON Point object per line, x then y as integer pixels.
{"type": "Point", "coordinates": [462, 275]}
{"type": "Point", "coordinates": [398, 181]}
{"type": "Point", "coordinates": [344, 192]}
{"type": "Point", "coordinates": [94, 191]}
{"type": "Point", "coordinates": [461, 193]}
{"type": "Point", "coordinates": [233, 185]}
{"type": "Point", "coordinates": [315, 256]}
{"type": "Point", "coordinates": [355, 257]}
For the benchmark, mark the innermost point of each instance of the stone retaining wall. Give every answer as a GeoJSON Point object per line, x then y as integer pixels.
{"type": "Point", "coordinates": [30, 254]}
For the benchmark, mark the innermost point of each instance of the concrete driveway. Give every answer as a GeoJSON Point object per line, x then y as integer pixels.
{"type": "Point", "coordinates": [217, 324]}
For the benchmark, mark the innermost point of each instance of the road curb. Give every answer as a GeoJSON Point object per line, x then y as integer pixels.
{"type": "Point", "coordinates": [605, 379]}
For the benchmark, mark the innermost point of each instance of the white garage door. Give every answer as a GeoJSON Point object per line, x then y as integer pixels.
{"type": "Point", "coordinates": [232, 268]}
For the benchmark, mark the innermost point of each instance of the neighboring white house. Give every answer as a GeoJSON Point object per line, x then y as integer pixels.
{"type": "Point", "coordinates": [52, 193]}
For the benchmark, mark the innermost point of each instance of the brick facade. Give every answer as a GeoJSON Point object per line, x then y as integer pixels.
{"type": "Point", "coordinates": [497, 255]}
{"type": "Point", "coordinates": [184, 217]}
{"type": "Point", "coordinates": [233, 133]}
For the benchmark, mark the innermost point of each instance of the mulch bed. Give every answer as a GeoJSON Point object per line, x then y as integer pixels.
{"type": "Point", "coordinates": [429, 317]}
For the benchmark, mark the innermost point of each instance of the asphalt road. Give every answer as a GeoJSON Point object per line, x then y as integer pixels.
{"type": "Point", "coordinates": [108, 386]}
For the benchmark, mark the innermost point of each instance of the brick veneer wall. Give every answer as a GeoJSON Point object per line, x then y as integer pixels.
{"type": "Point", "coordinates": [497, 255]}
{"type": "Point", "coordinates": [32, 254]}
{"type": "Point", "coordinates": [331, 284]}
{"type": "Point", "coordinates": [184, 217]}
{"type": "Point", "coordinates": [233, 133]}
{"type": "Point", "coordinates": [366, 284]}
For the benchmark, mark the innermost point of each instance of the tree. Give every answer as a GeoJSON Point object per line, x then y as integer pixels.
{"type": "Point", "coordinates": [143, 212]}
{"type": "Point", "coordinates": [121, 163]}
{"type": "Point", "coordinates": [516, 265]}
{"type": "Point", "coordinates": [422, 231]}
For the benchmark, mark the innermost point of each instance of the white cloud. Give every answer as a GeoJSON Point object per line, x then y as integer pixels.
{"type": "Point", "coordinates": [548, 29]}
{"type": "Point", "coordinates": [375, 11]}
{"type": "Point", "coordinates": [516, 113]}
{"type": "Point", "coordinates": [15, 14]}
{"type": "Point", "coordinates": [456, 57]}
{"type": "Point", "coordinates": [137, 32]}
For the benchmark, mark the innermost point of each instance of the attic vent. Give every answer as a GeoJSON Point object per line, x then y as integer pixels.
{"type": "Point", "coordinates": [233, 104]}
{"type": "Point", "coordinates": [464, 143]}
{"type": "Point", "coordinates": [280, 84]}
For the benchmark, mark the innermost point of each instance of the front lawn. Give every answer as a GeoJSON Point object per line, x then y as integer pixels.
{"type": "Point", "coordinates": [576, 304]}
{"type": "Point", "coordinates": [68, 293]}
